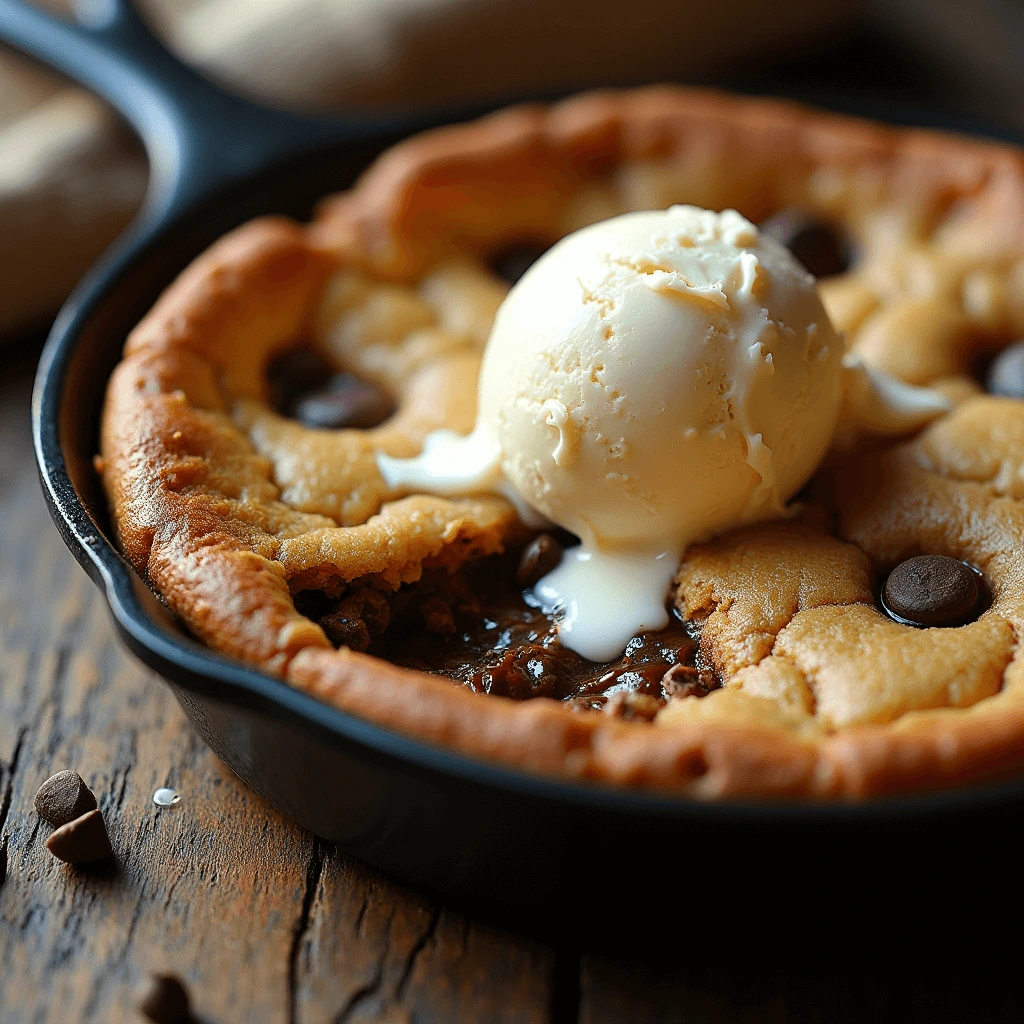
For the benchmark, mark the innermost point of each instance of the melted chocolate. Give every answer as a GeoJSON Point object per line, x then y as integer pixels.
{"type": "Point", "coordinates": [481, 629]}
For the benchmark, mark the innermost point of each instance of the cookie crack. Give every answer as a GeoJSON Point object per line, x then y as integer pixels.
{"type": "Point", "coordinates": [994, 484]}
{"type": "Point", "coordinates": [811, 682]}
{"type": "Point", "coordinates": [1014, 654]}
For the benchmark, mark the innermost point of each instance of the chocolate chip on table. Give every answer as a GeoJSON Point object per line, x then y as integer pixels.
{"type": "Point", "coordinates": [932, 590]}
{"type": "Point", "coordinates": [346, 401]}
{"type": "Point", "coordinates": [541, 556]}
{"type": "Point", "coordinates": [1005, 376]}
{"type": "Point", "coordinates": [166, 1001]}
{"type": "Point", "coordinates": [81, 841]}
{"type": "Point", "coordinates": [511, 263]}
{"type": "Point", "coordinates": [64, 797]}
{"type": "Point", "coordinates": [817, 245]}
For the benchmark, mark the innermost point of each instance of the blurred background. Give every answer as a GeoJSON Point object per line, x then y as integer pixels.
{"type": "Point", "coordinates": [71, 176]}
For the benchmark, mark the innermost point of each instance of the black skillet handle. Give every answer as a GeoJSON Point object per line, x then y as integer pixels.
{"type": "Point", "coordinates": [198, 137]}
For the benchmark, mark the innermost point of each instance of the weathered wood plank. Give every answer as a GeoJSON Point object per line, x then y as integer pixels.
{"type": "Point", "coordinates": [375, 952]}
{"type": "Point", "coordinates": [264, 922]}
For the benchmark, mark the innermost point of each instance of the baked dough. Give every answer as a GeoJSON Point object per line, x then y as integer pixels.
{"type": "Point", "coordinates": [229, 509]}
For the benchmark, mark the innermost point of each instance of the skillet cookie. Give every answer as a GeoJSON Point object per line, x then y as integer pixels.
{"type": "Point", "coordinates": [865, 646]}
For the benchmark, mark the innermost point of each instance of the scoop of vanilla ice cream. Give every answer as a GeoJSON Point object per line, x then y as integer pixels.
{"type": "Point", "coordinates": [653, 379]}
{"type": "Point", "coordinates": [659, 377]}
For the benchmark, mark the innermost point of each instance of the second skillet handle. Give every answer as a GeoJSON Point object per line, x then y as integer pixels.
{"type": "Point", "coordinates": [198, 138]}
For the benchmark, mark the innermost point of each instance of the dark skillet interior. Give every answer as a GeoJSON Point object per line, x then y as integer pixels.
{"type": "Point", "coordinates": [545, 855]}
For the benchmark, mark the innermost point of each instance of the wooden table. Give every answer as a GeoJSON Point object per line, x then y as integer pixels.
{"type": "Point", "coordinates": [264, 921]}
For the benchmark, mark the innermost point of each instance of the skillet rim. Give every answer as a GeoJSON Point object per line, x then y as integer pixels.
{"type": "Point", "coordinates": [191, 666]}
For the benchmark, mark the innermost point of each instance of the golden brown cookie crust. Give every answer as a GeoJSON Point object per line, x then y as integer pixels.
{"type": "Point", "coordinates": [227, 508]}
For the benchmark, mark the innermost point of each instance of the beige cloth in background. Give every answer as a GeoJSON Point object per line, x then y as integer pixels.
{"type": "Point", "coordinates": [71, 177]}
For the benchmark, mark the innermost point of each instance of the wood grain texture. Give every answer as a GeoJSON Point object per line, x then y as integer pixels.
{"type": "Point", "coordinates": [264, 921]}
{"type": "Point", "coordinates": [407, 960]}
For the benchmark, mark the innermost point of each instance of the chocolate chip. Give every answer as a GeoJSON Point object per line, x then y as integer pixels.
{"type": "Point", "coordinates": [817, 245]}
{"type": "Point", "coordinates": [932, 590]}
{"type": "Point", "coordinates": [688, 681]}
{"type": "Point", "coordinates": [1005, 376]}
{"type": "Point", "coordinates": [81, 841]}
{"type": "Point", "coordinates": [516, 260]}
{"type": "Point", "coordinates": [166, 1001]}
{"type": "Point", "coordinates": [346, 401]}
{"type": "Point", "coordinates": [374, 610]}
{"type": "Point", "coordinates": [635, 707]}
{"type": "Point", "coordinates": [541, 556]}
{"type": "Point", "coordinates": [305, 386]}
{"type": "Point", "coordinates": [295, 373]}
{"type": "Point", "coordinates": [64, 797]}
{"type": "Point", "coordinates": [346, 631]}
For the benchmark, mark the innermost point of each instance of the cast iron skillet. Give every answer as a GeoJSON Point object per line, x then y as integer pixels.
{"type": "Point", "coordinates": [599, 862]}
